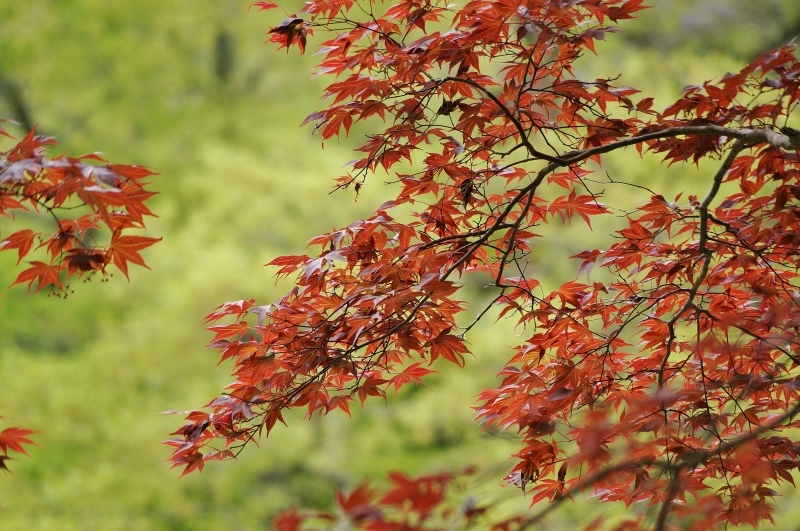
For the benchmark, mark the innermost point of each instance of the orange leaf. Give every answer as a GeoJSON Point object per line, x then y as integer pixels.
{"type": "Point", "coordinates": [46, 274]}
{"type": "Point", "coordinates": [22, 241]}
{"type": "Point", "coordinates": [413, 373]}
{"type": "Point", "coordinates": [228, 330]}
{"type": "Point", "coordinates": [126, 249]}
{"type": "Point", "coordinates": [13, 439]}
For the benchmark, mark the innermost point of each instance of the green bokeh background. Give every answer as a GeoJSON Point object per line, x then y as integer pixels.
{"type": "Point", "coordinates": [240, 184]}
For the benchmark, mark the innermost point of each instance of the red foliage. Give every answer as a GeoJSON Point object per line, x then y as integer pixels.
{"type": "Point", "coordinates": [13, 439]}
{"type": "Point", "coordinates": [668, 378]}
{"type": "Point", "coordinates": [410, 504]}
{"type": "Point", "coordinates": [113, 199]}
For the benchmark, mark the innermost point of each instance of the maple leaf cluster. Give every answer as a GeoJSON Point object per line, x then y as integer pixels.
{"type": "Point", "coordinates": [13, 439]}
{"type": "Point", "coordinates": [111, 196]}
{"type": "Point", "coordinates": [669, 378]}
{"type": "Point", "coordinates": [409, 503]}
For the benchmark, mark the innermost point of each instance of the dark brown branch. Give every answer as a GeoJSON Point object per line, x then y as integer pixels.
{"type": "Point", "coordinates": [748, 135]}
{"type": "Point", "coordinates": [672, 491]}
{"type": "Point", "coordinates": [523, 138]}
{"type": "Point", "coordinates": [702, 250]}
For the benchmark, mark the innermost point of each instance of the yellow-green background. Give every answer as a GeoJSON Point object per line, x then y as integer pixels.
{"type": "Point", "coordinates": [240, 184]}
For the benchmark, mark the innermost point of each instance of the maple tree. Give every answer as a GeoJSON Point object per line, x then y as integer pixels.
{"type": "Point", "coordinates": [33, 182]}
{"type": "Point", "coordinates": [670, 377]}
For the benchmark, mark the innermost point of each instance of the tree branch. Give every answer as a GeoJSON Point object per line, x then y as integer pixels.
{"type": "Point", "coordinates": [702, 250]}
{"type": "Point", "coordinates": [672, 491]}
{"type": "Point", "coordinates": [748, 135]}
{"type": "Point", "coordinates": [508, 114]}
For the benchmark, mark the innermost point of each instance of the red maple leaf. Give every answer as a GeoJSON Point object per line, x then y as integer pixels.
{"type": "Point", "coordinates": [13, 439]}
{"type": "Point", "coordinates": [124, 249]}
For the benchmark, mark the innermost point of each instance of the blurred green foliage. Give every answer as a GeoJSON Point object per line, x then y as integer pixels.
{"type": "Point", "coordinates": [189, 89]}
